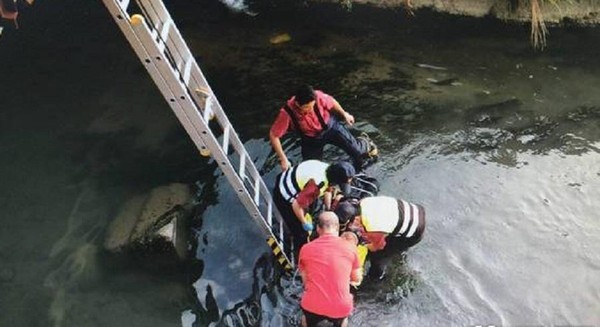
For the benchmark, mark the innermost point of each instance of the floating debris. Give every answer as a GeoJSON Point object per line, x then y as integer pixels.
{"type": "Point", "coordinates": [280, 38]}
{"type": "Point", "coordinates": [446, 81]}
{"type": "Point", "coordinates": [431, 67]}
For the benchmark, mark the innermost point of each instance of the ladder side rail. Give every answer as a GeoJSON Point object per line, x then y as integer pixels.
{"type": "Point", "coordinates": [235, 141]}
{"type": "Point", "coordinates": [251, 169]}
{"type": "Point", "coordinates": [175, 44]}
{"type": "Point", "coordinates": [122, 19]}
{"type": "Point", "coordinates": [265, 194]}
{"type": "Point", "coordinates": [158, 58]}
{"type": "Point", "coordinates": [120, 14]}
{"type": "Point", "coordinates": [199, 81]}
{"type": "Point", "coordinates": [267, 199]}
{"type": "Point", "coordinates": [173, 40]}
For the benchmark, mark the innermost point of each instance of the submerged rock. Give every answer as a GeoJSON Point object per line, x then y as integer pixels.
{"type": "Point", "coordinates": [157, 217]}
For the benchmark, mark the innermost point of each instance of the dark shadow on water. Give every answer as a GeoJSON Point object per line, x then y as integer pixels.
{"type": "Point", "coordinates": [399, 282]}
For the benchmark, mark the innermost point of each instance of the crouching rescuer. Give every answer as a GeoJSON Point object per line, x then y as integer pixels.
{"type": "Point", "coordinates": [302, 187]}
{"type": "Point", "coordinates": [317, 118]}
{"type": "Point", "coordinates": [386, 226]}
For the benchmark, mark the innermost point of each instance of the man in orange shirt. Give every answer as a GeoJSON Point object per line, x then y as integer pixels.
{"type": "Point", "coordinates": [328, 266]}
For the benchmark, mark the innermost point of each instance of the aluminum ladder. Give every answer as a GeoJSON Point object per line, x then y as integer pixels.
{"type": "Point", "coordinates": [167, 58]}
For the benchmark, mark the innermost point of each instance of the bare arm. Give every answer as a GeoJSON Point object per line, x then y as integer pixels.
{"type": "Point", "coordinates": [276, 144]}
{"type": "Point", "coordinates": [337, 108]}
{"type": "Point", "coordinates": [298, 211]}
{"type": "Point", "coordinates": [327, 198]}
{"type": "Point", "coordinates": [356, 277]}
{"type": "Point", "coordinates": [303, 276]}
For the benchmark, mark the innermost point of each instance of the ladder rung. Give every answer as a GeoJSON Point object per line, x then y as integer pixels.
{"type": "Point", "coordinates": [257, 191]}
{"type": "Point", "coordinates": [242, 171]}
{"type": "Point", "coordinates": [225, 145]}
{"type": "Point", "coordinates": [281, 230]}
{"type": "Point", "coordinates": [187, 69]}
{"type": "Point", "coordinates": [270, 213]}
{"type": "Point", "coordinates": [166, 28]}
{"type": "Point", "coordinates": [123, 4]}
{"type": "Point", "coordinates": [208, 113]}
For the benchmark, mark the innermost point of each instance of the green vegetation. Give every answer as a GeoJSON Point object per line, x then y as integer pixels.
{"type": "Point", "coordinates": [538, 27]}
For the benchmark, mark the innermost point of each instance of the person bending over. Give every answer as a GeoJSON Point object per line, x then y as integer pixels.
{"type": "Point", "coordinates": [387, 226]}
{"type": "Point", "coordinates": [315, 115]}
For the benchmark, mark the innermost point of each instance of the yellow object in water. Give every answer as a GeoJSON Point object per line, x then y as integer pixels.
{"type": "Point", "coordinates": [362, 254]}
{"type": "Point", "coordinates": [280, 38]}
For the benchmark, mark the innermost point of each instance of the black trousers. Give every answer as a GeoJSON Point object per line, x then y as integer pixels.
{"type": "Point", "coordinates": [381, 259]}
{"type": "Point", "coordinates": [338, 135]}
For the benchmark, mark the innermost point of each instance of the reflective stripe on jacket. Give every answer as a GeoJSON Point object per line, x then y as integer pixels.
{"type": "Point", "coordinates": [293, 180]}
{"type": "Point", "coordinates": [392, 216]}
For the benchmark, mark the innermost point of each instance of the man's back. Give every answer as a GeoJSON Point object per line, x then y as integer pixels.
{"type": "Point", "coordinates": [327, 264]}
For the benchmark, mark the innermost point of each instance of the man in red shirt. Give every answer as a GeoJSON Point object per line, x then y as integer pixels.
{"type": "Point", "coordinates": [328, 265]}
{"type": "Point", "coordinates": [312, 114]}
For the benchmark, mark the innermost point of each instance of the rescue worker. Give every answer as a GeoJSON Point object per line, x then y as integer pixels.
{"type": "Point", "coordinates": [299, 187]}
{"type": "Point", "coordinates": [312, 114]}
{"type": "Point", "coordinates": [385, 224]}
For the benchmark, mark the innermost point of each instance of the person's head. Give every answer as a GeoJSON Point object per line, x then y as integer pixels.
{"type": "Point", "coordinates": [341, 173]}
{"type": "Point", "coordinates": [328, 223]}
{"type": "Point", "coordinates": [350, 237]}
{"type": "Point", "coordinates": [346, 211]}
{"type": "Point", "coordinates": [305, 95]}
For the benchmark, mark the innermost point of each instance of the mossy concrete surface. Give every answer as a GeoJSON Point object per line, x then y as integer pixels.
{"type": "Point", "coordinates": [586, 12]}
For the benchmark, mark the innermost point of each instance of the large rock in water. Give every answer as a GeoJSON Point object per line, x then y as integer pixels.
{"type": "Point", "coordinates": [153, 220]}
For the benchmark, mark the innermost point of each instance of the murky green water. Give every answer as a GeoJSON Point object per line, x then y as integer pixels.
{"type": "Point", "coordinates": [501, 147]}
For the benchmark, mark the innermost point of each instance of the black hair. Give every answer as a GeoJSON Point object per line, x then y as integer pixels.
{"type": "Point", "coordinates": [339, 172]}
{"type": "Point", "coordinates": [346, 211]}
{"type": "Point", "coordinates": [305, 94]}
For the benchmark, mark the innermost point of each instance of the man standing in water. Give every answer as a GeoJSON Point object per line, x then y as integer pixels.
{"type": "Point", "coordinates": [311, 113]}
{"type": "Point", "coordinates": [328, 265]}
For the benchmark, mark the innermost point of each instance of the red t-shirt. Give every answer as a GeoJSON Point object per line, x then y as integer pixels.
{"type": "Point", "coordinates": [327, 264]}
{"type": "Point", "coordinates": [309, 122]}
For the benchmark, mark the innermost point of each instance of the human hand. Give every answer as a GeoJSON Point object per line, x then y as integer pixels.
{"type": "Point", "coordinates": [349, 119]}
{"type": "Point", "coordinates": [308, 227]}
{"type": "Point", "coordinates": [285, 164]}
